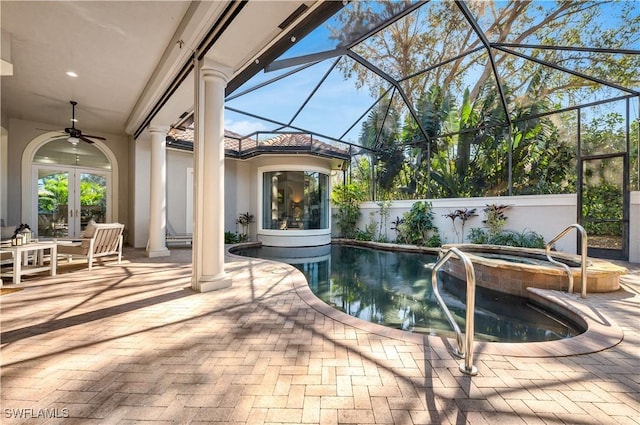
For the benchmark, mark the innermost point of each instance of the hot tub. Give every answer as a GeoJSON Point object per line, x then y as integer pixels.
{"type": "Point", "coordinates": [513, 270]}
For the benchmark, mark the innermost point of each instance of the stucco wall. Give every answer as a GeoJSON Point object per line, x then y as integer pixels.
{"type": "Point", "coordinates": [140, 184]}
{"type": "Point", "coordinates": [547, 215]}
{"type": "Point", "coordinates": [178, 162]}
{"type": "Point", "coordinates": [634, 228]}
{"type": "Point", "coordinates": [544, 214]}
{"type": "Point", "coordinates": [238, 194]}
{"type": "Point", "coordinates": [178, 212]}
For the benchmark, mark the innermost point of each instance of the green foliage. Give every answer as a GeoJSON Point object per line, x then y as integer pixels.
{"type": "Point", "coordinates": [460, 144]}
{"type": "Point", "coordinates": [379, 133]}
{"type": "Point", "coordinates": [602, 196]}
{"type": "Point", "coordinates": [370, 231]}
{"type": "Point", "coordinates": [347, 199]}
{"type": "Point", "coordinates": [440, 31]}
{"type": "Point", "coordinates": [245, 219]}
{"type": "Point", "coordinates": [383, 212]}
{"type": "Point", "coordinates": [603, 201]}
{"type": "Point", "coordinates": [397, 227]}
{"type": "Point", "coordinates": [495, 219]}
{"type": "Point", "coordinates": [53, 191]}
{"type": "Point", "coordinates": [461, 159]}
{"type": "Point", "coordinates": [233, 237]}
{"type": "Point", "coordinates": [93, 193]}
{"type": "Point", "coordinates": [478, 236]}
{"type": "Point", "coordinates": [464, 215]}
{"type": "Point", "coordinates": [363, 235]}
{"type": "Point", "coordinates": [525, 239]}
{"type": "Point", "coordinates": [494, 234]}
{"type": "Point", "coordinates": [417, 227]}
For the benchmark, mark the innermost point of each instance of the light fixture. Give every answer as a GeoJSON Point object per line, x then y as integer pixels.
{"type": "Point", "coordinates": [73, 140]}
{"type": "Point", "coordinates": [72, 74]}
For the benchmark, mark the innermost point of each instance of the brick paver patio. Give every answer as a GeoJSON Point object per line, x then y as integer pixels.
{"type": "Point", "coordinates": [133, 344]}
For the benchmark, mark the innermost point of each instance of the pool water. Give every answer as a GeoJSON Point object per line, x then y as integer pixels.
{"type": "Point", "coordinates": [394, 289]}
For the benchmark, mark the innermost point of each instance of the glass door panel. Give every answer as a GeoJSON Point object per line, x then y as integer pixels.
{"type": "Point", "coordinates": [603, 206]}
{"type": "Point", "coordinates": [68, 198]}
{"type": "Point", "coordinates": [53, 203]}
{"type": "Point", "coordinates": [93, 198]}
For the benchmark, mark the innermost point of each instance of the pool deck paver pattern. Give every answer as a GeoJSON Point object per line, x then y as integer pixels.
{"type": "Point", "coordinates": [133, 344]}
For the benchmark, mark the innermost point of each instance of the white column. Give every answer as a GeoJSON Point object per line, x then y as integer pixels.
{"type": "Point", "coordinates": [157, 246]}
{"type": "Point", "coordinates": [208, 244]}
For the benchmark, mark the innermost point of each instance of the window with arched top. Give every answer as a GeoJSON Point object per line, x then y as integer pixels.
{"type": "Point", "coordinates": [61, 152]}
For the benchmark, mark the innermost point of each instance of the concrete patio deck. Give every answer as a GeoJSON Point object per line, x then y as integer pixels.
{"type": "Point", "coordinates": [132, 344]}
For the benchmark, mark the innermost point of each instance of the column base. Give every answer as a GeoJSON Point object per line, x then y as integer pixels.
{"type": "Point", "coordinates": [158, 253]}
{"type": "Point", "coordinates": [212, 283]}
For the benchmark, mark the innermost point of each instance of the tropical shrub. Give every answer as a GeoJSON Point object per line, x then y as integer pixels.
{"type": "Point", "coordinates": [232, 237]}
{"type": "Point", "coordinates": [495, 234]}
{"type": "Point", "coordinates": [464, 215]}
{"type": "Point", "coordinates": [347, 199]}
{"type": "Point", "coordinates": [495, 218]}
{"type": "Point", "coordinates": [417, 227]}
{"type": "Point", "coordinates": [245, 219]}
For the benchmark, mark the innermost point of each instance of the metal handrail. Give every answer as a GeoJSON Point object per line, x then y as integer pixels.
{"type": "Point", "coordinates": [465, 348]}
{"type": "Point", "coordinates": [583, 258]}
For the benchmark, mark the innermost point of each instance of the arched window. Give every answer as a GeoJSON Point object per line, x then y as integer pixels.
{"type": "Point", "coordinates": [61, 152]}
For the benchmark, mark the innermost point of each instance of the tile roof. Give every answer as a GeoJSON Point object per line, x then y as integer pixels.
{"type": "Point", "coordinates": [237, 145]}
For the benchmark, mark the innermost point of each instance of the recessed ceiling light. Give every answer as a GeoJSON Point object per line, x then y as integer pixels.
{"type": "Point", "coordinates": [72, 74]}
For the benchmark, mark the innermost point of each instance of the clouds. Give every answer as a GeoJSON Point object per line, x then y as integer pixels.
{"type": "Point", "coordinates": [243, 127]}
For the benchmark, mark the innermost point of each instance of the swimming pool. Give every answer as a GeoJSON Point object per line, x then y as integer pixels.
{"type": "Point", "coordinates": [394, 289]}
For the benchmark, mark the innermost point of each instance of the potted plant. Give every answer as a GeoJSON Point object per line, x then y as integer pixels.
{"type": "Point", "coordinates": [244, 220]}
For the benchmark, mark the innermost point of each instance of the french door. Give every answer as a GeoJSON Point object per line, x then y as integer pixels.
{"type": "Point", "coordinates": [67, 198]}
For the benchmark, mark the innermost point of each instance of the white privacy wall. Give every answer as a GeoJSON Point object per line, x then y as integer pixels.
{"type": "Point", "coordinates": [634, 228]}
{"type": "Point", "coordinates": [547, 215]}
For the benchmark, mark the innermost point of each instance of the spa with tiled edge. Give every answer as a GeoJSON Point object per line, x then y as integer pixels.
{"type": "Point", "coordinates": [513, 270]}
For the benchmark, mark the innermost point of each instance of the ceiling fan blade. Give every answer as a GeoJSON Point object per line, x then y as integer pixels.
{"type": "Point", "coordinates": [94, 137]}
{"type": "Point", "coordinates": [85, 139]}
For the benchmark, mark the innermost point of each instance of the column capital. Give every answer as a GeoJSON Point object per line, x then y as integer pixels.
{"type": "Point", "coordinates": [164, 129]}
{"type": "Point", "coordinates": [210, 69]}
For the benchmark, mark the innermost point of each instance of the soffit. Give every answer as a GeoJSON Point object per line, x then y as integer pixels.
{"type": "Point", "coordinates": [114, 47]}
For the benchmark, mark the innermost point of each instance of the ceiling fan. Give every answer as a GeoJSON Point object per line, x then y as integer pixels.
{"type": "Point", "coordinates": [75, 134]}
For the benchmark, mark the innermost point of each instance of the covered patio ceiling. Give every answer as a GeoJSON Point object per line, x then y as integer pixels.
{"type": "Point", "coordinates": [131, 58]}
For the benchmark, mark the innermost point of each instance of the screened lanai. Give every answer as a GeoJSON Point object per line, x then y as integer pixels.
{"type": "Point", "coordinates": [450, 99]}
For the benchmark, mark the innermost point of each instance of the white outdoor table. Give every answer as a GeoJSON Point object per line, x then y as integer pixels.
{"type": "Point", "coordinates": [21, 264]}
